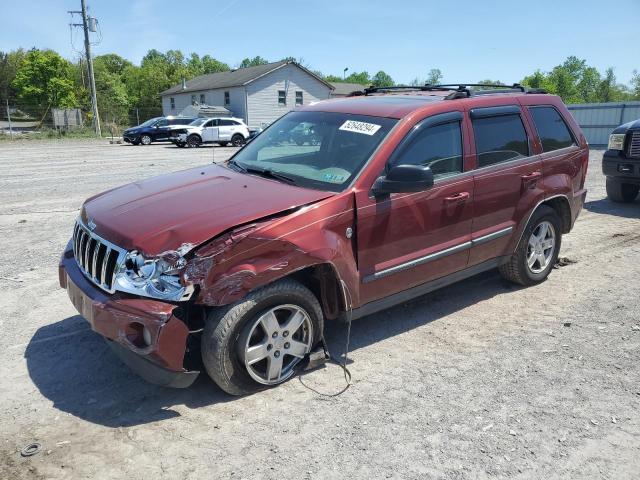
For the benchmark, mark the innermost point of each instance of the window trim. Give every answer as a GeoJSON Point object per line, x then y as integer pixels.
{"type": "Point", "coordinates": [172, 103]}
{"type": "Point", "coordinates": [301, 92]}
{"type": "Point", "coordinates": [227, 98]}
{"type": "Point", "coordinates": [533, 121]}
{"type": "Point", "coordinates": [502, 111]}
{"type": "Point", "coordinates": [284, 97]}
{"type": "Point", "coordinates": [432, 121]}
{"type": "Point", "coordinates": [202, 99]}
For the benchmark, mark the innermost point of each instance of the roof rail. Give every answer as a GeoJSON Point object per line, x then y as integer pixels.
{"type": "Point", "coordinates": [459, 90]}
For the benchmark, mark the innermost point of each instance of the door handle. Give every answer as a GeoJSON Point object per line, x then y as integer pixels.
{"type": "Point", "coordinates": [531, 179]}
{"type": "Point", "coordinates": [457, 198]}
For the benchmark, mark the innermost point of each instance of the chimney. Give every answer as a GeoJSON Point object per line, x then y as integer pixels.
{"type": "Point", "coordinates": [184, 84]}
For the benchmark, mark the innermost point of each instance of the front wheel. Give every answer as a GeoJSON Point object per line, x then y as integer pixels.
{"type": "Point", "coordinates": [237, 140]}
{"type": "Point", "coordinates": [194, 141]}
{"type": "Point", "coordinates": [538, 250]}
{"type": "Point", "coordinates": [145, 140]}
{"type": "Point", "coordinates": [180, 144]}
{"type": "Point", "coordinates": [259, 341]}
{"type": "Point", "coordinates": [621, 192]}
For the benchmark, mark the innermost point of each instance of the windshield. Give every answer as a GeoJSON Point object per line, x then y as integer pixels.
{"type": "Point", "coordinates": [322, 150]}
{"type": "Point", "coordinates": [198, 121]}
{"type": "Point", "coordinates": [150, 122]}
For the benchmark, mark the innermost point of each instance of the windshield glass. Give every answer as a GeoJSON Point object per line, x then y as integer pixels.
{"type": "Point", "coordinates": [150, 122]}
{"type": "Point", "coordinates": [198, 121]}
{"type": "Point", "coordinates": [322, 150]}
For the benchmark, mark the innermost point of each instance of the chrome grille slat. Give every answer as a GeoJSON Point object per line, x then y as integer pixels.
{"type": "Point", "coordinates": [634, 145]}
{"type": "Point", "coordinates": [100, 268]}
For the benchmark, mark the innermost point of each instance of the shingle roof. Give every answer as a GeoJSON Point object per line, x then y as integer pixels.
{"type": "Point", "coordinates": [233, 78]}
{"type": "Point", "coordinates": [343, 88]}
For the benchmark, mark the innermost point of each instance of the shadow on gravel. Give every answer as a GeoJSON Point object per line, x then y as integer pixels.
{"type": "Point", "coordinates": [74, 368]}
{"type": "Point", "coordinates": [605, 206]}
{"type": "Point", "coordinates": [421, 311]}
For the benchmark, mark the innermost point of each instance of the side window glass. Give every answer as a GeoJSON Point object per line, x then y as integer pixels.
{"type": "Point", "coordinates": [499, 139]}
{"type": "Point", "coordinates": [226, 123]}
{"type": "Point", "coordinates": [162, 123]}
{"type": "Point", "coordinates": [438, 147]}
{"type": "Point", "coordinates": [552, 130]}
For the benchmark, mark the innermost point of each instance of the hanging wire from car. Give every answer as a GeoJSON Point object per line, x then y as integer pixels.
{"type": "Point", "coordinates": [328, 358]}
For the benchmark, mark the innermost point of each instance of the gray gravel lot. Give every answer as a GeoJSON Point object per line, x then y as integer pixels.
{"type": "Point", "coordinates": [480, 380]}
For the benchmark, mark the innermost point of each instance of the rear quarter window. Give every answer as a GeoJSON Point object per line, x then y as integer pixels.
{"type": "Point", "coordinates": [500, 139]}
{"type": "Point", "coordinates": [552, 129]}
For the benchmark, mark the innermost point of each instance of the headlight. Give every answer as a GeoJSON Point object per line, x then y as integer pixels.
{"type": "Point", "coordinates": [616, 141]}
{"type": "Point", "coordinates": [153, 277]}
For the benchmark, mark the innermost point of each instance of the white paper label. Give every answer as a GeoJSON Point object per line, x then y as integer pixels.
{"type": "Point", "coordinates": [360, 127]}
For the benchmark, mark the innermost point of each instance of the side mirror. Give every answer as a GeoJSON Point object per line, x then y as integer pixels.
{"type": "Point", "coordinates": [404, 179]}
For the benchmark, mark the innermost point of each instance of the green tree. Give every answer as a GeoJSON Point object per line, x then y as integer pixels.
{"type": "Point", "coordinates": [253, 62]}
{"type": "Point", "coordinates": [434, 77]}
{"type": "Point", "coordinates": [9, 64]}
{"type": "Point", "coordinates": [635, 85]}
{"type": "Point", "coordinates": [44, 80]}
{"type": "Point", "coordinates": [382, 79]}
{"type": "Point", "coordinates": [113, 97]}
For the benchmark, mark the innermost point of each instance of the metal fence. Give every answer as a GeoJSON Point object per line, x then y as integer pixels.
{"type": "Point", "coordinates": [597, 120]}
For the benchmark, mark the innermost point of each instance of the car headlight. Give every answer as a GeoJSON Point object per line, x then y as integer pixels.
{"type": "Point", "coordinates": [153, 277]}
{"type": "Point", "coordinates": [616, 141]}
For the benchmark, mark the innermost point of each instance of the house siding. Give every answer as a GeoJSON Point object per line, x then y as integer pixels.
{"type": "Point", "coordinates": [211, 97]}
{"type": "Point", "coordinates": [262, 94]}
{"type": "Point", "coordinates": [257, 102]}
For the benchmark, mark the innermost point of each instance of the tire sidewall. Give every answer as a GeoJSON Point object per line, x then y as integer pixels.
{"type": "Point", "coordinates": [542, 215]}
{"type": "Point", "coordinates": [191, 143]}
{"type": "Point", "coordinates": [237, 140]}
{"type": "Point", "coordinates": [142, 142]}
{"type": "Point", "coordinates": [219, 348]}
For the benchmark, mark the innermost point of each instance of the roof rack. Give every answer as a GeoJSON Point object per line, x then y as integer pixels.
{"type": "Point", "coordinates": [459, 90]}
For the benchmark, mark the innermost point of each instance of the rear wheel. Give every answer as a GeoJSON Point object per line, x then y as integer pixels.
{"type": "Point", "coordinates": [145, 140]}
{"type": "Point", "coordinates": [538, 250]}
{"type": "Point", "coordinates": [237, 140]}
{"type": "Point", "coordinates": [180, 144]}
{"type": "Point", "coordinates": [194, 141]}
{"type": "Point", "coordinates": [259, 341]}
{"type": "Point", "coordinates": [621, 192]}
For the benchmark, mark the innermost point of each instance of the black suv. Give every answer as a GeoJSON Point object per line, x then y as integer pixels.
{"type": "Point", "coordinates": [621, 163]}
{"type": "Point", "coordinates": [154, 130]}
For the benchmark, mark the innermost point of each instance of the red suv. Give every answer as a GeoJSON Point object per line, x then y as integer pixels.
{"type": "Point", "coordinates": [236, 267]}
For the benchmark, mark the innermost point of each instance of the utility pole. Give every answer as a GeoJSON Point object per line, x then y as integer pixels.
{"type": "Point", "coordinates": [87, 50]}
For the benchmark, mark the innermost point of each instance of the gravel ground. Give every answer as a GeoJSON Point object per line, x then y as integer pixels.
{"type": "Point", "coordinates": [480, 380]}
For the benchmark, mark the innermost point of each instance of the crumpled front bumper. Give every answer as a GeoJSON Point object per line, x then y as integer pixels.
{"type": "Point", "coordinates": [120, 319]}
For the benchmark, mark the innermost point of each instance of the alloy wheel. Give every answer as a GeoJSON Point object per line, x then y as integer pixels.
{"type": "Point", "coordinates": [275, 342]}
{"type": "Point", "coordinates": [145, 139]}
{"type": "Point", "coordinates": [541, 247]}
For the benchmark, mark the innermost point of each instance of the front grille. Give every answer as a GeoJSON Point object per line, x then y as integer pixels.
{"type": "Point", "coordinates": [97, 258]}
{"type": "Point", "coordinates": [634, 145]}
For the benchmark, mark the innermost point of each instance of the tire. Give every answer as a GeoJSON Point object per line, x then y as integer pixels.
{"type": "Point", "coordinates": [223, 144]}
{"type": "Point", "coordinates": [621, 192]}
{"type": "Point", "coordinates": [519, 269]}
{"type": "Point", "coordinates": [194, 141]}
{"type": "Point", "coordinates": [237, 140]}
{"type": "Point", "coordinates": [145, 140]}
{"type": "Point", "coordinates": [181, 144]}
{"type": "Point", "coordinates": [227, 335]}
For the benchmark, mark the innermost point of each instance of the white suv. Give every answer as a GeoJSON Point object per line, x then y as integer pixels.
{"type": "Point", "coordinates": [222, 131]}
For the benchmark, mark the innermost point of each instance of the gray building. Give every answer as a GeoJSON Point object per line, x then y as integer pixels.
{"type": "Point", "coordinates": [259, 95]}
{"type": "Point", "coordinates": [344, 89]}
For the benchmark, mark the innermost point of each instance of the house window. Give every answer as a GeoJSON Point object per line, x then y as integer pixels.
{"type": "Point", "coordinates": [202, 102]}
{"type": "Point", "coordinates": [193, 99]}
{"type": "Point", "coordinates": [227, 99]}
{"type": "Point", "coordinates": [282, 97]}
{"type": "Point", "coordinates": [172, 101]}
{"type": "Point", "coordinates": [298, 98]}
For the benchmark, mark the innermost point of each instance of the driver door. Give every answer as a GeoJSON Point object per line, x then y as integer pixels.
{"type": "Point", "coordinates": [211, 131]}
{"type": "Point", "coordinates": [406, 239]}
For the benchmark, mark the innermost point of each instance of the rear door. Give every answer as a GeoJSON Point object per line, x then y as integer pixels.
{"type": "Point", "coordinates": [406, 239]}
{"type": "Point", "coordinates": [226, 129]}
{"type": "Point", "coordinates": [507, 178]}
{"type": "Point", "coordinates": [210, 131]}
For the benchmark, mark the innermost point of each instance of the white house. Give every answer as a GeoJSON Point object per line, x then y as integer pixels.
{"type": "Point", "coordinates": [259, 95]}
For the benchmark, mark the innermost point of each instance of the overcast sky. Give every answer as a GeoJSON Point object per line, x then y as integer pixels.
{"type": "Point", "coordinates": [467, 40]}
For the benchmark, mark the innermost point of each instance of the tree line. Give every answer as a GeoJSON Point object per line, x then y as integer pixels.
{"type": "Point", "coordinates": [37, 80]}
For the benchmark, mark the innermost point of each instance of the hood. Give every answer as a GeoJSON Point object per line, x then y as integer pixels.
{"type": "Point", "coordinates": [188, 207]}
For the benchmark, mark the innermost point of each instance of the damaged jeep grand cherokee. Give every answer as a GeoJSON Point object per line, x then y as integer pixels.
{"type": "Point", "coordinates": [234, 268]}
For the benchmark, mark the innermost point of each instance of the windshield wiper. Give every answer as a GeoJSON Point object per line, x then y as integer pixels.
{"type": "Point", "coordinates": [237, 166]}
{"type": "Point", "coordinates": [267, 172]}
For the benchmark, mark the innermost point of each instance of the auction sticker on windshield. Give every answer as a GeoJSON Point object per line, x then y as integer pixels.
{"type": "Point", "coordinates": [360, 127]}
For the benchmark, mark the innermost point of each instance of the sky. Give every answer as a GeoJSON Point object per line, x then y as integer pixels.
{"type": "Point", "coordinates": [466, 40]}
